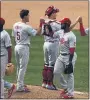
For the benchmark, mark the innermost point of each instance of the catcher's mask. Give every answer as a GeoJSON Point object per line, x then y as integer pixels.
{"type": "Point", "coordinates": [50, 10]}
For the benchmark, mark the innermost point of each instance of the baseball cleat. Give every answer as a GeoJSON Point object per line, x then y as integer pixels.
{"type": "Point", "coordinates": [44, 85]}
{"type": "Point", "coordinates": [66, 96]}
{"type": "Point", "coordinates": [10, 91]}
{"type": "Point", "coordinates": [25, 89]}
{"type": "Point", "coordinates": [51, 87]}
{"type": "Point", "coordinates": [63, 92]}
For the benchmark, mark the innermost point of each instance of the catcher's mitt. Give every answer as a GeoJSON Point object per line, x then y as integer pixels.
{"type": "Point", "coordinates": [9, 69]}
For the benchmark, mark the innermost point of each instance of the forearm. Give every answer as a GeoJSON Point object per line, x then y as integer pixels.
{"type": "Point", "coordinates": [39, 31]}
{"type": "Point", "coordinates": [9, 49]}
{"type": "Point", "coordinates": [73, 25]}
{"type": "Point", "coordinates": [42, 21]}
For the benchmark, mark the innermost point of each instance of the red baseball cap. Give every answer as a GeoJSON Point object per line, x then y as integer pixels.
{"type": "Point", "coordinates": [65, 20]}
{"type": "Point", "coordinates": [2, 21]}
{"type": "Point", "coordinates": [50, 10]}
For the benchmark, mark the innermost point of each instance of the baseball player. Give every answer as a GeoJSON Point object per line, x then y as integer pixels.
{"type": "Point", "coordinates": [66, 61]}
{"type": "Point", "coordinates": [5, 56]}
{"type": "Point", "coordinates": [51, 46]}
{"type": "Point", "coordinates": [22, 33]}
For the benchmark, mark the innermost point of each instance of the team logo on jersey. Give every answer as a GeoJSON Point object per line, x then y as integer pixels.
{"type": "Point", "coordinates": [62, 40]}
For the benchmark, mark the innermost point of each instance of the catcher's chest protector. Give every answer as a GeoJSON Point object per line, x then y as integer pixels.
{"type": "Point", "coordinates": [47, 28]}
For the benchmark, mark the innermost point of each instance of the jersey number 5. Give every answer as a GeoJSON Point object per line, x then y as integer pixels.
{"type": "Point", "coordinates": [18, 35]}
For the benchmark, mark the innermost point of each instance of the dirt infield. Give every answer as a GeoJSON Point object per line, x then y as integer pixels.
{"type": "Point", "coordinates": [37, 92]}
{"type": "Point", "coordinates": [10, 10]}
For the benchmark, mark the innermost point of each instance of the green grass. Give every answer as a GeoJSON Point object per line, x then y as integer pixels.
{"type": "Point", "coordinates": [34, 71]}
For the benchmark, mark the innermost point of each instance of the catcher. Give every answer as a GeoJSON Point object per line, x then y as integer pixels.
{"type": "Point", "coordinates": [5, 56]}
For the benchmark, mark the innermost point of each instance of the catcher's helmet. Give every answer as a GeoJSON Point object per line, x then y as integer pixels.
{"type": "Point", "coordinates": [65, 20]}
{"type": "Point", "coordinates": [2, 21]}
{"type": "Point", "coordinates": [50, 10]}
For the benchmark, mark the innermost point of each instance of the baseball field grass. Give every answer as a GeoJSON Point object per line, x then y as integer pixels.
{"type": "Point", "coordinates": [34, 71]}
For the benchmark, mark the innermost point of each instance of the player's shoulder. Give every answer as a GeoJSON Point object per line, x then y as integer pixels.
{"type": "Point", "coordinates": [28, 26]}
{"type": "Point", "coordinates": [4, 33]}
{"type": "Point", "coordinates": [71, 34]}
{"type": "Point", "coordinates": [16, 23]}
{"type": "Point", "coordinates": [52, 21]}
{"type": "Point", "coordinates": [19, 23]}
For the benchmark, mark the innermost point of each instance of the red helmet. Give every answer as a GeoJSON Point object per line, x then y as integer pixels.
{"type": "Point", "coordinates": [65, 20]}
{"type": "Point", "coordinates": [2, 21]}
{"type": "Point", "coordinates": [50, 10]}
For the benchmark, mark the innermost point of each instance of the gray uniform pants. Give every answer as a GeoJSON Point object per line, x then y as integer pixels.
{"type": "Point", "coordinates": [4, 61]}
{"type": "Point", "coordinates": [22, 58]}
{"type": "Point", "coordinates": [66, 81]}
{"type": "Point", "coordinates": [51, 52]}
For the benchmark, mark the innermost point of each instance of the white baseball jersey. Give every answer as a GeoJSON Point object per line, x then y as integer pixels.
{"type": "Point", "coordinates": [22, 33]}
{"type": "Point", "coordinates": [56, 26]}
{"type": "Point", "coordinates": [87, 30]}
{"type": "Point", "coordinates": [67, 40]}
{"type": "Point", "coordinates": [5, 42]}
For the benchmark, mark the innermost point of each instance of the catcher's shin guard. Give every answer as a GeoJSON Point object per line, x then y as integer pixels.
{"type": "Point", "coordinates": [50, 75]}
{"type": "Point", "coordinates": [44, 74]}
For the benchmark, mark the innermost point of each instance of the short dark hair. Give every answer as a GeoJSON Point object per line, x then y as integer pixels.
{"type": "Point", "coordinates": [24, 12]}
{"type": "Point", "coordinates": [64, 25]}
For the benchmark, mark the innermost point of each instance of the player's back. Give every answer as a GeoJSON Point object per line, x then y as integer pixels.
{"type": "Point", "coordinates": [20, 33]}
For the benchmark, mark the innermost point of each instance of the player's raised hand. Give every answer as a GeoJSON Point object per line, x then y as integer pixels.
{"type": "Point", "coordinates": [79, 19]}
{"type": "Point", "coordinates": [42, 21]}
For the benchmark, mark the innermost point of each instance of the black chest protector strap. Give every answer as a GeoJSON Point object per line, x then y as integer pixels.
{"type": "Point", "coordinates": [48, 29]}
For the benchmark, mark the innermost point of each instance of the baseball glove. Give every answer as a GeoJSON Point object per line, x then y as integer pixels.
{"type": "Point", "coordinates": [9, 69]}
{"type": "Point", "coordinates": [68, 69]}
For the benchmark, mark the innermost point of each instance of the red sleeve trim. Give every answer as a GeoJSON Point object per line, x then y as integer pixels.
{"type": "Point", "coordinates": [9, 54]}
{"type": "Point", "coordinates": [82, 30]}
{"type": "Point", "coordinates": [72, 50]}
